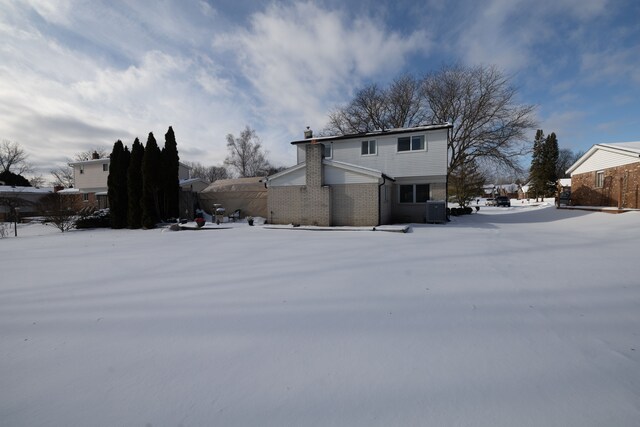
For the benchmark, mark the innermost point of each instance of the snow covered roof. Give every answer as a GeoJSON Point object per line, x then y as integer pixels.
{"type": "Point", "coordinates": [374, 133]}
{"type": "Point", "coordinates": [340, 165]}
{"type": "Point", "coordinates": [565, 182]}
{"type": "Point", "coordinates": [18, 189]}
{"type": "Point", "coordinates": [633, 147]}
{"type": "Point", "coordinates": [69, 191]}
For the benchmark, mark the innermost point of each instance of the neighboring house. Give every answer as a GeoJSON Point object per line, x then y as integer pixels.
{"type": "Point", "coordinates": [90, 178]}
{"type": "Point", "coordinates": [523, 191]}
{"type": "Point", "coordinates": [25, 199]}
{"type": "Point", "coordinates": [362, 179]}
{"type": "Point", "coordinates": [563, 184]}
{"type": "Point", "coordinates": [607, 175]}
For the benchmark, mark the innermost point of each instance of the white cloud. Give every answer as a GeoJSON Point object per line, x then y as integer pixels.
{"type": "Point", "coordinates": [614, 64]}
{"type": "Point", "coordinates": [302, 59]}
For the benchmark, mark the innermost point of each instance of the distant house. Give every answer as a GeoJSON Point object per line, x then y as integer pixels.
{"type": "Point", "coordinates": [370, 178]}
{"type": "Point", "coordinates": [25, 199]}
{"type": "Point", "coordinates": [607, 175]}
{"type": "Point", "coordinates": [90, 178]}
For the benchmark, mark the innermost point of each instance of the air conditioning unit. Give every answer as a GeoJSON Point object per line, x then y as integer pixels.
{"type": "Point", "coordinates": [436, 212]}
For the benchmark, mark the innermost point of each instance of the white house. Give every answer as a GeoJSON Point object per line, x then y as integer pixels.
{"type": "Point", "coordinates": [362, 179]}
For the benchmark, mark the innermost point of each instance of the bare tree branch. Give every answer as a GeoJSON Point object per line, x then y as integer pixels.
{"type": "Point", "coordinates": [13, 158]}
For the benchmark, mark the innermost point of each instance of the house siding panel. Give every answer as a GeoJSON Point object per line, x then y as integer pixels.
{"type": "Point", "coordinates": [604, 159]}
{"type": "Point", "coordinates": [432, 161]}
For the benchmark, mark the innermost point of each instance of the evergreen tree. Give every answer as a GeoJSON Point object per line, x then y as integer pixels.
{"type": "Point", "coordinates": [117, 185]}
{"type": "Point", "coordinates": [550, 156]}
{"type": "Point", "coordinates": [170, 175]}
{"type": "Point", "coordinates": [536, 172]}
{"type": "Point", "coordinates": [10, 178]}
{"type": "Point", "coordinates": [151, 183]}
{"type": "Point", "coordinates": [134, 184]}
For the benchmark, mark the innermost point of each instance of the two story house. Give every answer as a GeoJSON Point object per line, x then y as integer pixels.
{"type": "Point", "coordinates": [364, 179]}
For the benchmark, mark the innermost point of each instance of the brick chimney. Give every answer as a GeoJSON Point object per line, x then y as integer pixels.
{"type": "Point", "coordinates": [313, 159]}
{"type": "Point", "coordinates": [95, 155]}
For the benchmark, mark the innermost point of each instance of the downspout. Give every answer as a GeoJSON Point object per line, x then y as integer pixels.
{"type": "Point", "coordinates": [384, 181]}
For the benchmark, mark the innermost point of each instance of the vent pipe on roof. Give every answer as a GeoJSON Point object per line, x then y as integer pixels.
{"type": "Point", "coordinates": [308, 133]}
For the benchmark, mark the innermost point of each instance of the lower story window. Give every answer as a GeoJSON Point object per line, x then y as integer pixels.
{"type": "Point", "coordinates": [414, 193]}
{"type": "Point", "coordinates": [599, 179]}
{"type": "Point", "coordinates": [85, 197]}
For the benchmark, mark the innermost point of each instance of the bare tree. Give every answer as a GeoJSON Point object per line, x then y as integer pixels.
{"type": "Point", "coordinates": [375, 108]}
{"type": "Point", "coordinates": [59, 210]}
{"type": "Point", "coordinates": [13, 158]}
{"type": "Point", "coordinates": [246, 155]}
{"type": "Point", "coordinates": [488, 125]}
{"type": "Point", "coordinates": [566, 158]}
{"type": "Point", "coordinates": [100, 152]}
{"type": "Point", "coordinates": [63, 175]}
{"type": "Point", "coordinates": [208, 173]}
{"type": "Point", "coordinates": [37, 181]}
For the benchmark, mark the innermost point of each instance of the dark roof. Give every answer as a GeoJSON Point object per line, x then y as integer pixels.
{"type": "Point", "coordinates": [374, 133]}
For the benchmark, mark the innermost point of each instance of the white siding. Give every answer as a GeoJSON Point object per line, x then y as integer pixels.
{"type": "Point", "coordinates": [93, 176]}
{"type": "Point", "coordinates": [603, 159]}
{"type": "Point", "coordinates": [432, 161]}
{"type": "Point", "coordinates": [296, 177]}
{"type": "Point", "coordinates": [335, 176]}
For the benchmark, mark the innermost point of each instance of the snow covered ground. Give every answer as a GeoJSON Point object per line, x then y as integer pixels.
{"type": "Point", "coordinates": [522, 316]}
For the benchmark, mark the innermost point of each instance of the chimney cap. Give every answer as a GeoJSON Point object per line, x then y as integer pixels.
{"type": "Point", "coordinates": [308, 133]}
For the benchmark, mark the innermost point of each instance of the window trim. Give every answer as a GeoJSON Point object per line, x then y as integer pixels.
{"type": "Point", "coordinates": [411, 150]}
{"type": "Point", "coordinates": [330, 148]}
{"type": "Point", "coordinates": [370, 143]}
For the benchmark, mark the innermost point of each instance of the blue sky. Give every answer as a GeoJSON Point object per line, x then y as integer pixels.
{"type": "Point", "coordinates": [76, 74]}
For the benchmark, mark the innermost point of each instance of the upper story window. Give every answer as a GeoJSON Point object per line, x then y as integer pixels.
{"type": "Point", "coordinates": [81, 169]}
{"type": "Point", "coordinates": [599, 179]}
{"type": "Point", "coordinates": [105, 167]}
{"type": "Point", "coordinates": [328, 151]}
{"type": "Point", "coordinates": [411, 143]}
{"type": "Point", "coordinates": [369, 148]}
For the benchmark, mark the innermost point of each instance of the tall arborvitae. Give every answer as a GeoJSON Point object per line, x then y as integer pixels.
{"type": "Point", "coordinates": [134, 182]}
{"type": "Point", "coordinates": [117, 185]}
{"type": "Point", "coordinates": [151, 163]}
{"type": "Point", "coordinates": [170, 175]}
{"type": "Point", "coordinates": [550, 156]}
{"type": "Point", "coordinates": [536, 172]}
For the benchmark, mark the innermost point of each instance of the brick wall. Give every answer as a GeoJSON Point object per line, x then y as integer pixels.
{"type": "Point", "coordinates": [354, 204]}
{"type": "Point", "coordinates": [303, 204]}
{"type": "Point", "coordinates": [620, 189]}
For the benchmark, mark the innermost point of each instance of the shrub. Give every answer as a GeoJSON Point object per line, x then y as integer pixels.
{"type": "Point", "coordinates": [92, 218]}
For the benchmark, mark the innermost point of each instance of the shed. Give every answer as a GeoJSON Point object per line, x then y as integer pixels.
{"type": "Point", "coordinates": [247, 194]}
